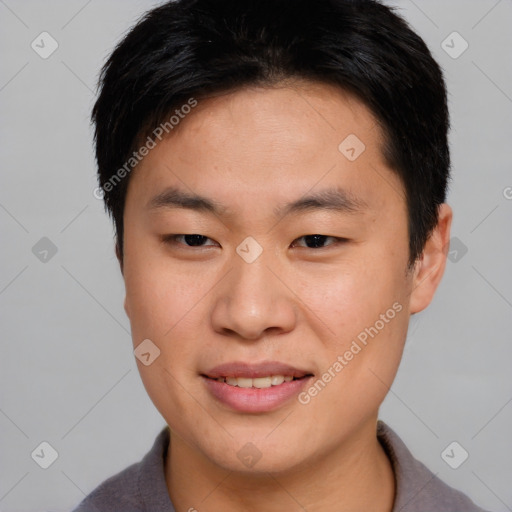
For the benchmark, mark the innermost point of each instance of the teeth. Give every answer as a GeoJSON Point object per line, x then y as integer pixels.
{"type": "Point", "coordinates": [276, 380]}
{"type": "Point", "coordinates": [262, 382]}
{"type": "Point", "coordinates": [244, 383]}
{"type": "Point", "coordinates": [259, 382]}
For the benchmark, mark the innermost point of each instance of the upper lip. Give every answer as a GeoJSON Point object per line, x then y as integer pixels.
{"type": "Point", "coordinates": [255, 370]}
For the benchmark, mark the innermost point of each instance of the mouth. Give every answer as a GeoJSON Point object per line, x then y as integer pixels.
{"type": "Point", "coordinates": [258, 382]}
{"type": "Point", "coordinates": [255, 388]}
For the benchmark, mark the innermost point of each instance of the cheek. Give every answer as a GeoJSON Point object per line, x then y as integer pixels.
{"type": "Point", "coordinates": [158, 295]}
{"type": "Point", "coordinates": [164, 307]}
{"type": "Point", "coordinates": [362, 312]}
{"type": "Point", "coordinates": [167, 305]}
{"type": "Point", "coordinates": [349, 298]}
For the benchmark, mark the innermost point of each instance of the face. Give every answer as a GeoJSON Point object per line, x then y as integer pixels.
{"type": "Point", "coordinates": [262, 239]}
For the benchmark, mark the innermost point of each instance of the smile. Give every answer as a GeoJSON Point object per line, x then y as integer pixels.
{"type": "Point", "coordinates": [254, 387]}
{"type": "Point", "coordinates": [259, 382]}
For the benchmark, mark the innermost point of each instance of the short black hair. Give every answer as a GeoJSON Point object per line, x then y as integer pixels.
{"type": "Point", "coordinates": [191, 49]}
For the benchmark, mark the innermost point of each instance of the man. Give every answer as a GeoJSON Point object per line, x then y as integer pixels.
{"type": "Point", "coordinates": [276, 171]}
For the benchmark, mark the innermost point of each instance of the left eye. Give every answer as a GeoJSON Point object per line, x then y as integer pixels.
{"type": "Point", "coordinates": [317, 241]}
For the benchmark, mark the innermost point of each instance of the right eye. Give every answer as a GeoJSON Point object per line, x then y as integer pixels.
{"type": "Point", "coordinates": [192, 240]}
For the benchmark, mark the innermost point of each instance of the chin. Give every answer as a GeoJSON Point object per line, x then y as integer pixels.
{"type": "Point", "coordinates": [257, 457]}
{"type": "Point", "coordinates": [278, 463]}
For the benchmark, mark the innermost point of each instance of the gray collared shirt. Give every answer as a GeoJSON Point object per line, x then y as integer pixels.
{"type": "Point", "coordinates": [141, 487]}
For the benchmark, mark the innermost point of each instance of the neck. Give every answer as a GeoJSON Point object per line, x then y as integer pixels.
{"type": "Point", "coordinates": [356, 476]}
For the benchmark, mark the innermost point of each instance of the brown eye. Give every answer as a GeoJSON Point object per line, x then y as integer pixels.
{"type": "Point", "coordinates": [318, 241]}
{"type": "Point", "coordinates": [192, 240]}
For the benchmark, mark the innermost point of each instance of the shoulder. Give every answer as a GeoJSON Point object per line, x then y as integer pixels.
{"type": "Point", "coordinates": [136, 487]}
{"type": "Point", "coordinates": [120, 489]}
{"type": "Point", "coordinates": [418, 489]}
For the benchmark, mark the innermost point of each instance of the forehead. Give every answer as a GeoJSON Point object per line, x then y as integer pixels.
{"type": "Point", "coordinates": [270, 144]}
{"type": "Point", "coordinates": [298, 118]}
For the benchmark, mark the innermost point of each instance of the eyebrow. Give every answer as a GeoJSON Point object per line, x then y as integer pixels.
{"type": "Point", "coordinates": [335, 199]}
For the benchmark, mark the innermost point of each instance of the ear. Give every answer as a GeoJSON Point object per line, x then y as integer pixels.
{"type": "Point", "coordinates": [126, 307]}
{"type": "Point", "coordinates": [120, 260]}
{"type": "Point", "coordinates": [429, 268]}
{"type": "Point", "coordinates": [119, 256]}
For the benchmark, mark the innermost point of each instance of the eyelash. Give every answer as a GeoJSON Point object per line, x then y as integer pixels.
{"type": "Point", "coordinates": [171, 239]}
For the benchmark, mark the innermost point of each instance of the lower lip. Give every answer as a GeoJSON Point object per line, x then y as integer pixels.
{"type": "Point", "coordinates": [255, 399]}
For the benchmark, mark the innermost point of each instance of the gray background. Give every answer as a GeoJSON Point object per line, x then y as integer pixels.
{"type": "Point", "coordinates": [68, 375]}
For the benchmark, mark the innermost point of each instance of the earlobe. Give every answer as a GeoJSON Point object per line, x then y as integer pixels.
{"type": "Point", "coordinates": [429, 269]}
{"type": "Point", "coordinates": [126, 307]}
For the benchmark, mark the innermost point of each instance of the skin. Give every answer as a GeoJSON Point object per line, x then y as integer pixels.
{"type": "Point", "coordinates": [254, 150]}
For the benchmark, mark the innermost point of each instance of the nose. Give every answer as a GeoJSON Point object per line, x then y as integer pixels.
{"type": "Point", "coordinates": [253, 301]}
